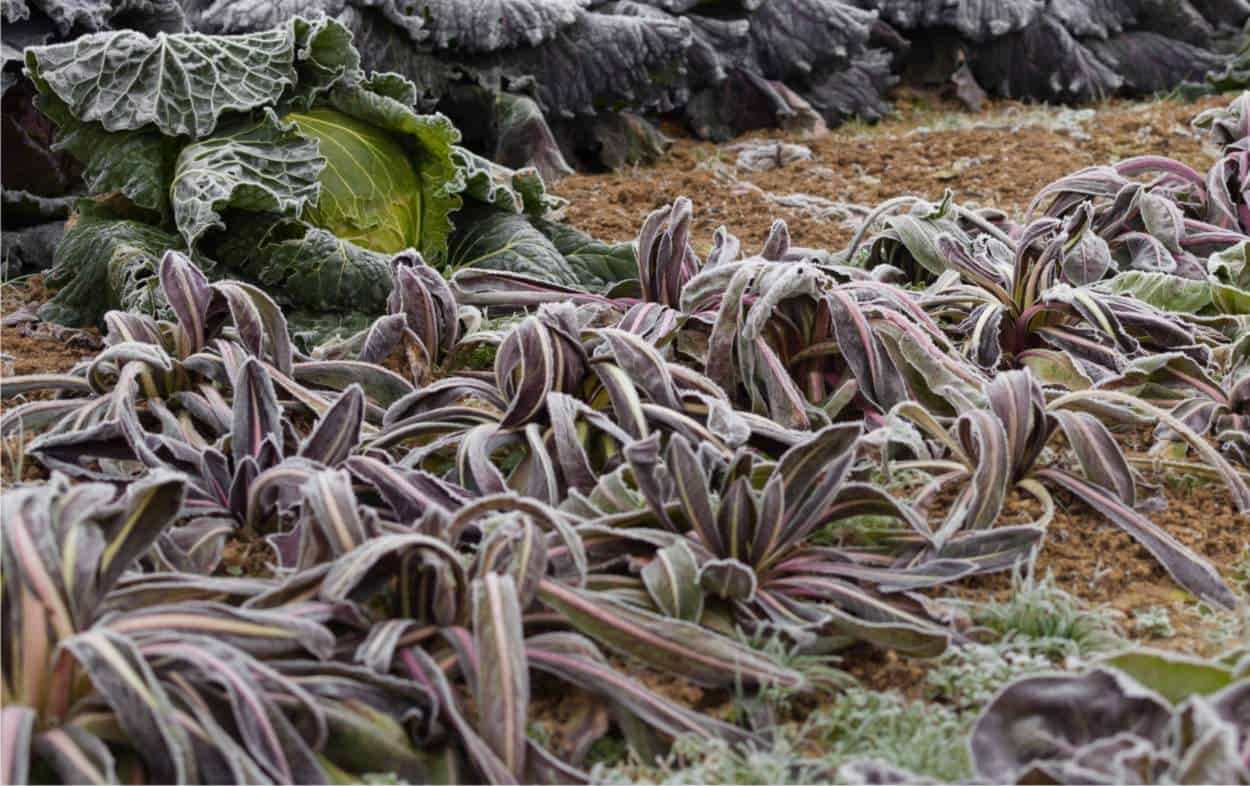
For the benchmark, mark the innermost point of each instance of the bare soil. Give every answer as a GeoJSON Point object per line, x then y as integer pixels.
{"type": "Point", "coordinates": [246, 554]}
{"type": "Point", "coordinates": [1000, 157]}
{"type": "Point", "coordinates": [34, 347]}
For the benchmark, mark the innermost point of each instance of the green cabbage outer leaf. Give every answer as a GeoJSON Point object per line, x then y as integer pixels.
{"type": "Point", "coordinates": [125, 104]}
{"type": "Point", "coordinates": [598, 266]}
{"type": "Point", "coordinates": [105, 263]}
{"type": "Point", "coordinates": [135, 163]}
{"type": "Point", "coordinates": [305, 267]}
{"type": "Point", "coordinates": [324, 273]}
{"type": "Point", "coordinates": [516, 190]}
{"type": "Point", "coordinates": [265, 167]}
{"type": "Point", "coordinates": [502, 240]}
{"type": "Point", "coordinates": [370, 191]}
{"type": "Point", "coordinates": [181, 84]}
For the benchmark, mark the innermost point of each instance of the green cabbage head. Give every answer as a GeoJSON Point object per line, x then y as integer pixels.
{"type": "Point", "coordinates": [370, 191]}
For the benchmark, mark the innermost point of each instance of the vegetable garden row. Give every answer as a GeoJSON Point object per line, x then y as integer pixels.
{"type": "Point", "coordinates": [489, 454]}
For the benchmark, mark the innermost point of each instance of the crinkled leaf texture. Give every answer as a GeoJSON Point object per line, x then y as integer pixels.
{"type": "Point", "coordinates": [491, 25]}
{"type": "Point", "coordinates": [516, 190]}
{"type": "Point", "coordinates": [387, 46]}
{"type": "Point", "coordinates": [135, 163]}
{"type": "Point", "coordinates": [29, 249]}
{"type": "Point", "coordinates": [325, 273]}
{"type": "Point", "coordinates": [1149, 62]}
{"type": "Point", "coordinates": [38, 22]}
{"type": "Point", "coordinates": [598, 266]}
{"type": "Point", "coordinates": [978, 20]}
{"type": "Point", "coordinates": [263, 166]}
{"type": "Point", "coordinates": [125, 103]}
{"type": "Point", "coordinates": [1073, 50]}
{"type": "Point", "coordinates": [250, 16]}
{"type": "Point", "coordinates": [1044, 61]}
{"type": "Point", "coordinates": [603, 61]}
{"type": "Point", "coordinates": [106, 263]}
{"type": "Point", "coordinates": [180, 84]}
{"type": "Point", "coordinates": [792, 38]}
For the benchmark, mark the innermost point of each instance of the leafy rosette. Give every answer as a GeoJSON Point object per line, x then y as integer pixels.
{"type": "Point", "coordinates": [270, 156]}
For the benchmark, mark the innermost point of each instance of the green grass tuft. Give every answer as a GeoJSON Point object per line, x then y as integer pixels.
{"type": "Point", "coordinates": [923, 738]}
{"type": "Point", "coordinates": [1054, 622]}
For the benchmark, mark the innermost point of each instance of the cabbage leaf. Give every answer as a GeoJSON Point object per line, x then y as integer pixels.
{"type": "Point", "coordinates": [503, 240]}
{"type": "Point", "coordinates": [103, 263]}
{"type": "Point", "coordinates": [180, 84]}
{"type": "Point", "coordinates": [262, 166]}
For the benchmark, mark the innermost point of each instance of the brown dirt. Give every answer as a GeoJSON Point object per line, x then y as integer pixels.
{"type": "Point", "coordinates": [37, 347]}
{"type": "Point", "coordinates": [1001, 166]}
{"type": "Point", "coordinates": [246, 554]}
{"type": "Point", "coordinates": [32, 347]}
{"type": "Point", "coordinates": [12, 463]}
{"type": "Point", "coordinates": [573, 718]}
{"type": "Point", "coordinates": [886, 670]}
{"type": "Point", "coordinates": [1099, 563]}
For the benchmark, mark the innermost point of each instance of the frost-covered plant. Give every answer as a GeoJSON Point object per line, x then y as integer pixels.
{"type": "Point", "coordinates": [1154, 621]}
{"type": "Point", "coordinates": [442, 539]}
{"type": "Point", "coordinates": [1066, 52]}
{"type": "Point", "coordinates": [1162, 718]}
{"type": "Point", "coordinates": [970, 675]}
{"type": "Point", "coordinates": [300, 172]}
{"type": "Point", "coordinates": [1043, 617]}
{"type": "Point", "coordinates": [1140, 715]}
{"type": "Point", "coordinates": [999, 450]}
{"type": "Point", "coordinates": [922, 738]}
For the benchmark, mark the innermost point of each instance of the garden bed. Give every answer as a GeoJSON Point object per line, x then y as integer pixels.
{"type": "Point", "coordinates": [1083, 589]}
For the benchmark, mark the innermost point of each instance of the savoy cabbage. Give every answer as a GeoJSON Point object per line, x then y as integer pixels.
{"type": "Point", "coordinates": [273, 156]}
{"type": "Point", "coordinates": [1071, 50]}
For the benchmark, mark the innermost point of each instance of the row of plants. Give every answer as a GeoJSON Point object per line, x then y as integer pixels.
{"type": "Point", "coordinates": [548, 85]}
{"type": "Point", "coordinates": [508, 480]}
{"type": "Point", "coordinates": [472, 533]}
{"type": "Point", "coordinates": [1057, 51]}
